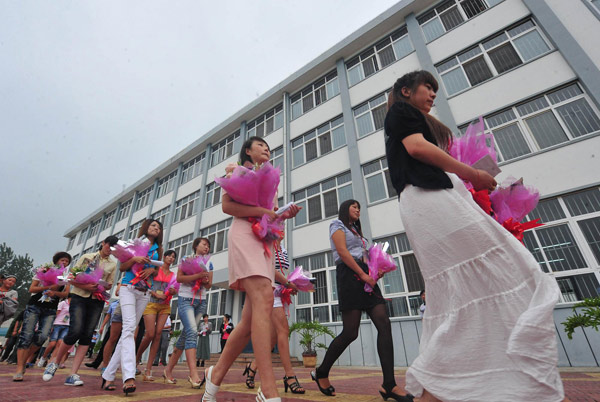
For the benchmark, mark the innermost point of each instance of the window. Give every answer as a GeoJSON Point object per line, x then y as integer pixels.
{"type": "Point", "coordinates": [162, 215]}
{"type": "Point", "coordinates": [143, 199]}
{"type": "Point", "coordinates": [88, 250]}
{"type": "Point", "coordinates": [192, 168]}
{"type": "Point", "coordinates": [124, 210]}
{"type": "Point", "coordinates": [319, 302]}
{"type": "Point", "coordinates": [568, 245]}
{"type": "Point", "coordinates": [132, 233]}
{"type": "Point", "coordinates": [450, 14]}
{"type": "Point", "coordinates": [120, 234]}
{"type": "Point", "coordinates": [71, 242]}
{"type": "Point", "coordinates": [217, 234]}
{"type": "Point", "coordinates": [94, 228]}
{"type": "Point", "coordinates": [166, 184]}
{"type": "Point", "coordinates": [186, 207]}
{"type": "Point", "coordinates": [74, 260]}
{"type": "Point", "coordinates": [502, 52]}
{"type": "Point", "coordinates": [378, 180]}
{"type": "Point", "coordinates": [267, 123]}
{"type": "Point", "coordinates": [109, 219]}
{"type": "Point", "coordinates": [318, 141]}
{"type": "Point", "coordinates": [313, 95]}
{"type": "Point", "coordinates": [213, 195]}
{"type": "Point", "coordinates": [182, 246]}
{"type": "Point", "coordinates": [277, 158]}
{"type": "Point", "coordinates": [547, 120]}
{"type": "Point", "coordinates": [385, 52]}
{"type": "Point", "coordinates": [370, 115]}
{"type": "Point", "coordinates": [226, 148]}
{"type": "Point", "coordinates": [81, 236]}
{"type": "Point", "coordinates": [322, 200]}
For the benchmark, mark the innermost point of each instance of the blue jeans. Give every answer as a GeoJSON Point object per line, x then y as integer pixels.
{"type": "Point", "coordinates": [85, 313]}
{"type": "Point", "coordinates": [43, 317]}
{"type": "Point", "coordinates": [59, 332]}
{"type": "Point", "coordinates": [190, 315]}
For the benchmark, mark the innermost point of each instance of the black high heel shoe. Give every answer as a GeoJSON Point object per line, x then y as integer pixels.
{"type": "Point", "coordinates": [295, 387]}
{"type": "Point", "coordinates": [326, 391]}
{"type": "Point", "coordinates": [389, 393]}
{"type": "Point", "coordinates": [128, 388]}
{"type": "Point", "coordinates": [249, 377]}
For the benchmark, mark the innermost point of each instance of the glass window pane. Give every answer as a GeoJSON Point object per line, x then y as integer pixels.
{"type": "Point", "coordinates": [304, 297]}
{"type": "Point", "coordinates": [432, 29]}
{"type": "Point", "coordinates": [325, 143]}
{"type": "Point", "coordinates": [386, 56]}
{"type": "Point", "coordinates": [535, 249]}
{"type": "Point", "coordinates": [311, 150]}
{"type": "Point", "coordinates": [510, 141]}
{"type": "Point", "coordinates": [451, 18]}
{"type": "Point", "coordinates": [547, 211]}
{"type": "Point", "coordinates": [414, 278]}
{"type": "Point", "coordinates": [369, 66]}
{"type": "Point", "coordinates": [402, 47]}
{"type": "Point", "coordinates": [333, 282]}
{"type": "Point", "coordinates": [296, 110]}
{"type": "Point", "coordinates": [355, 74]}
{"type": "Point", "coordinates": [579, 117]}
{"type": "Point", "coordinates": [320, 293]}
{"type": "Point", "coordinates": [591, 231]}
{"type": "Point", "coordinates": [397, 307]}
{"type": "Point", "coordinates": [390, 187]}
{"type": "Point", "coordinates": [504, 58]}
{"type": "Point", "coordinates": [560, 248]}
{"type": "Point", "coordinates": [414, 302]}
{"type": "Point", "coordinates": [321, 314]}
{"type": "Point", "coordinates": [376, 188]}
{"type": "Point", "coordinates": [331, 204]}
{"type": "Point", "coordinates": [379, 116]}
{"type": "Point", "coordinates": [336, 314]}
{"type": "Point", "coordinates": [364, 124]}
{"type": "Point", "coordinates": [392, 281]}
{"type": "Point", "coordinates": [303, 314]}
{"type": "Point", "coordinates": [307, 103]}
{"type": "Point", "coordinates": [583, 202]}
{"type": "Point", "coordinates": [567, 289]}
{"type": "Point", "coordinates": [477, 70]}
{"type": "Point", "coordinates": [300, 218]}
{"type": "Point", "coordinates": [314, 209]}
{"type": "Point", "coordinates": [339, 137]}
{"type": "Point", "coordinates": [333, 88]}
{"type": "Point", "coordinates": [344, 193]}
{"type": "Point", "coordinates": [531, 45]}
{"type": "Point", "coordinates": [546, 129]}
{"type": "Point", "coordinates": [455, 81]}
{"type": "Point", "coordinates": [298, 156]}
{"type": "Point", "coordinates": [565, 93]}
{"type": "Point", "coordinates": [473, 7]}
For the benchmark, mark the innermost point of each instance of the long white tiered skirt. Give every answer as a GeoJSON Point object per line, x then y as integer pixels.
{"type": "Point", "coordinates": [488, 330]}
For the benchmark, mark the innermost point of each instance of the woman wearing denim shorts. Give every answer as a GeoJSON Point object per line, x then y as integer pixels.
{"type": "Point", "coordinates": [191, 307]}
{"type": "Point", "coordinates": [40, 311]}
{"type": "Point", "coordinates": [60, 327]}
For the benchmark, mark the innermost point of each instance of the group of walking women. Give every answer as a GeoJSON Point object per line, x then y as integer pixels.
{"type": "Point", "coordinates": [488, 333]}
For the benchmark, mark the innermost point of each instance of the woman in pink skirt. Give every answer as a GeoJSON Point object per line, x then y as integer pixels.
{"type": "Point", "coordinates": [251, 269]}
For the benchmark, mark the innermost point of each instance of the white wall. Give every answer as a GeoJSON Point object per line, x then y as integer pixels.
{"type": "Point", "coordinates": [162, 202]}
{"type": "Point", "coordinates": [182, 228]}
{"type": "Point", "coordinates": [316, 116]}
{"type": "Point", "coordinates": [321, 168]}
{"type": "Point", "coordinates": [311, 238]}
{"type": "Point", "coordinates": [371, 147]}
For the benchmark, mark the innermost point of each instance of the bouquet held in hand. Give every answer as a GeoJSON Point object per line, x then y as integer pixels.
{"type": "Point", "coordinates": [192, 265]}
{"type": "Point", "coordinates": [380, 262]}
{"type": "Point", "coordinates": [48, 275]}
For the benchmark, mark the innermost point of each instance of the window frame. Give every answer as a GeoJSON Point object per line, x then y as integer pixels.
{"type": "Point", "coordinates": [226, 148]}
{"type": "Point", "coordinates": [213, 232]}
{"type": "Point", "coordinates": [124, 210]}
{"type": "Point", "coordinates": [192, 168]}
{"type": "Point", "coordinates": [213, 195]}
{"type": "Point", "coordinates": [310, 91]}
{"type": "Point", "coordinates": [188, 212]}
{"type": "Point", "coordinates": [275, 115]}
{"type": "Point", "coordinates": [317, 134]}
{"type": "Point", "coordinates": [383, 171]}
{"type": "Point", "coordinates": [182, 246]}
{"type": "Point", "coordinates": [143, 198]}
{"type": "Point", "coordinates": [166, 185]}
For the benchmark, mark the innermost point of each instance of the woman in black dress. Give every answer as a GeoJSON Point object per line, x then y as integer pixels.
{"type": "Point", "coordinates": [349, 249]}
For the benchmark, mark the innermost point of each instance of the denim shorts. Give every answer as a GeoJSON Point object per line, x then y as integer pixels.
{"type": "Point", "coordinates": [58, 332]}
{"type": "Point", "coordinates": [35, 315]}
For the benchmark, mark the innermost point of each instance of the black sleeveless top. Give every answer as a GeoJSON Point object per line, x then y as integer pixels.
{"type": "Point", "coordinates": [401, 121]}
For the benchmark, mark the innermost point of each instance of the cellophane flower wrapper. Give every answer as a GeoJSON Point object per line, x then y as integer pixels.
{"type": "Point", "coordinates": [379, 262]}
{"type": "Point", "coordinates": [173, 284]}
{"type": "Point", "coordinates": [303, 281]}
{"type": "Point", "coordinates": [255, 187]}
{"type": "Point", "coordinates": [268, 230]}
{"type": "Point", "coordinates": [126, 250]}
{"type": "Point", "coordinates": [513, 200]}
{"type": "Point", "coordinates": [192, 265]}
{"type": "Point", "coordinates": [48, 274]}
{"type": "Point", "coordinates": [473, 146]}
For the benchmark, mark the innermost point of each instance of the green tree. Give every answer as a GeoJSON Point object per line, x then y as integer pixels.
{"type": "Point", "coordinates": [21, 267]}
{"type": "Point", "coordinates": [590, 316]}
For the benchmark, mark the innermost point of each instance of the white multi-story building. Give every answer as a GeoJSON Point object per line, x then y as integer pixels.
{"type": "Point", "coordinates": [529, 67]}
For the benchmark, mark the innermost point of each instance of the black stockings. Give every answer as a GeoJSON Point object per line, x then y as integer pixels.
{"type": "Point", "coordinates": [385, 345]}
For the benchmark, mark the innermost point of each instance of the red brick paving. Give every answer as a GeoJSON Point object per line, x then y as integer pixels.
{"type": "Point", "coordinates": [352, 384]}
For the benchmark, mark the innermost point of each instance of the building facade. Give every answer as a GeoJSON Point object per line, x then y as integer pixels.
{"type": "Point", "coordinates": [529, 67]}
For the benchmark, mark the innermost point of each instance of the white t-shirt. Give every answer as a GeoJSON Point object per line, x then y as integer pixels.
{"type": "Point", "coordinates": [185, 289]}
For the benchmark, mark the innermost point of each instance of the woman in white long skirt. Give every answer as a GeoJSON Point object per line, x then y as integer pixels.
{"type": "Point", "coordinates": [488, 334]}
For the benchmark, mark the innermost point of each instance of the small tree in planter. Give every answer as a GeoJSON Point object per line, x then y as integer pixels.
{"type": "Point", "coordinates": [589, 318]}
{"type": "Point", "coordinates": [308, 332]}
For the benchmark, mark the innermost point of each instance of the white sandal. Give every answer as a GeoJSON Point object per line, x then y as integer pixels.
{"type": "Point", "coordinates": [260, 397]}
{"type": "Point", "coordinates": [210, 392]}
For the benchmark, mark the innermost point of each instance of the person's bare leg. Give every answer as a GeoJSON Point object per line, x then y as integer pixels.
{"type": "Point", "coordinates": [160, 323]}
{"type": "Point", "coordinates": [282, 329]}
{"type": "Point", "coordinates": [49, 349]}
{"type": "Point", "coordinates": [172, 362]}
{"type": "Point", "coordinates": [61, 351]}
{"type": "Point", "coordinates": [190, 358]}
{"type": "Point", "coordinates": [427, 397]}
{"type": "Point", "coordinates": [150, 324]}
{"type": "Point", "coordinates": [32, 351]}
{"type": "Point", "coordinates": [115, 331]}
{"type": "Point", "coordinates": [22, 355]}
{"type": "Point", "coordinates": [78, 359]}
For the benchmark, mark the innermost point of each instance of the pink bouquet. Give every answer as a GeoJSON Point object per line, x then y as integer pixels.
{"type": "Point", "coordinates": [90, 274]}
{"type": "Point", "coordinates": [192, 265]}
{"type": "Point", "coordinates": [256, 186]}
{"type": "Point", "coordinates": [473, 146]}
{"type": "Point", "coordinates": [303, 282]}
{"type": "Point", "coordinates": [379, 262]}
{"type": "Point", "coordinates": [48, 274]}
{"type": "Point", "coordinates": [124, 251]}
{"type": "Point", "coordinates": [512, 199]}
{"type": "Point", "coordinates": [173, 284]}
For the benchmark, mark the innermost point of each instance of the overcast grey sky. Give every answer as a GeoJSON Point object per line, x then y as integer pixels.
{"type": "Point", "coordinates": [95, 94]}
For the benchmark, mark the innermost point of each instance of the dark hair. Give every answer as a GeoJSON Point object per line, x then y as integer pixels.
{"type": "Point", "coordinates": [244, 157]}
{"type": "Point", "coordinates": [412, 80]}
{"type": "Point", "coordinates": [197, 241]}
{"type": "Point", "coordinates": [61, 254]}
{"type": "Point", "coordinates": [204, 315]}
{"type": "Point", "coordinates": [169, 252]}
{"type": "Point", "coordinates": [422, 292]}
{"type": "Point", "coordinates": [159, 239]}
{"type": "Point", "coordinates": [344, 216]}
{"type": "Point", "coordinates": [227, 316]}
{"type": "Point", "coordinates": [112, 240]}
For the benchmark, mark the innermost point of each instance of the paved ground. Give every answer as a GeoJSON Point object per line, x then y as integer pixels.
{"type": "Point", "coordinates": [352, 383]}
